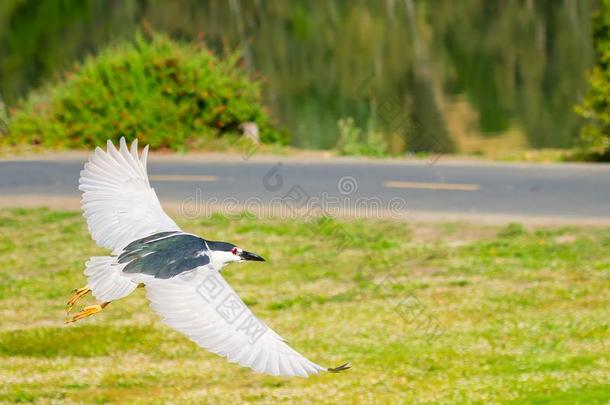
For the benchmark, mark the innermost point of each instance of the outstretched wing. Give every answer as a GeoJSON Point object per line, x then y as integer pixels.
{"type": "Point", "coordinates": [118, 202]}
{"type": "Point", "coordinates": [203, 306]}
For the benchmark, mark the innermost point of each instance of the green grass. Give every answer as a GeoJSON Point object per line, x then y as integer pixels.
{"type": "Point", "coordinates": [505, 315]}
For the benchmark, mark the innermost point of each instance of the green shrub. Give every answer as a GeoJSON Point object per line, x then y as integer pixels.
{"type": "Point", "coordinates": [512, 230]}
{"type": "Point", "coordinates": [595, 107]}
{"type": "Point", "coordinates": [353, 142]}
{"type": "Point", "coordinates": [167, 94]}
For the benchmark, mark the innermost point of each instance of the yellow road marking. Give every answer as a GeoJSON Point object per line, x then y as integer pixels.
{"type": "Point", "coordinates": [432, 186]}
{"type": "Point", "coordinates": [182, 177]}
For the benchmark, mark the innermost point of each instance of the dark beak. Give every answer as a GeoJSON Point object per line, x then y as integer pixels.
{"type": "Point", "coordinates": [251, 256]}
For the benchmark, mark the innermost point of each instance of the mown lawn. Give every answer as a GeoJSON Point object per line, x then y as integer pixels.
{"type": "Point", "coordinates": [426, 313]}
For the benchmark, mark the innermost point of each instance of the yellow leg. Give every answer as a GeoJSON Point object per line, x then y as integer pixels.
{"type": "Point", "coordinates": [88, 311]}
{"type": "Point", "coordinates": [77, 295]}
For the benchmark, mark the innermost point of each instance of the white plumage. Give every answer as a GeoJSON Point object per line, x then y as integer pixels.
{"type": "Point", "coordinates": [186, 305]}
{"type": "Point", "coordinates": [120, 208]}
{"type": "Point", "coordinates": [106, 280]}
{"type": "Point", "coordinates": [118, 202]}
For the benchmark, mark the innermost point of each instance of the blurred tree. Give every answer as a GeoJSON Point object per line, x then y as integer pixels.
{"type": "Point", "coordinates": [595, 107]}
{"type": "Point", "coordinates": [518, 63]}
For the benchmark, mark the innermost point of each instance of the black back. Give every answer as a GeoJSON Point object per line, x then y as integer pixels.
{"type": "Point", "coordinates": [165, 255]}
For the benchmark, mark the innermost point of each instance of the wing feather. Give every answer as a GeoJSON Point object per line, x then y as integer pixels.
{"type": "Point", "coordinates": [118, 202]}
{"type": "Point", "coordinates": [206, 309]}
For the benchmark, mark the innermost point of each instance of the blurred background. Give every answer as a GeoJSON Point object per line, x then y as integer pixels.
{"type": "Point", "coordinates": [477, 75]}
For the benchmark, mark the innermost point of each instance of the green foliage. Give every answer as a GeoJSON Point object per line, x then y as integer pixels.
{"type": "Point", "coordinates": [595, 107]}
{"type": "Point", "coordinates": [165, 93]}
{"type": "Point", "coordinates": [353, 142]}
{"type": "Point", "coordinates": [313, 80]}
{"type": "Point", "coordinates": [601, 29]}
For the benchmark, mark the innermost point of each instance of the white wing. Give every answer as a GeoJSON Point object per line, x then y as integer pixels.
{"type": "Point", "coordinates": [118, 202]}
{"type": "Point", "coordinates": [203, 306]}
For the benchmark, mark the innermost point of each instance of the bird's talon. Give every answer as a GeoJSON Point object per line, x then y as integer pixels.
{"type": "Point", "coordinates": [87, 311]}
{"type": "Point", "coordinates": [77, 295]}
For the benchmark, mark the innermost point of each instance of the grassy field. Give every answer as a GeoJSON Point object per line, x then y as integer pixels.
{"type": "Point", "coordinates": [426, 313]}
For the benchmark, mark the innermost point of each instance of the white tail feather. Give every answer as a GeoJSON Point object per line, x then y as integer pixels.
{"type": "Point", "coordinates": [106, 281]}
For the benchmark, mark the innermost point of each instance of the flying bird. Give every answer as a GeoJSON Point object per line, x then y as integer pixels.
{"type": "Point", "coordinates": [181, 272]}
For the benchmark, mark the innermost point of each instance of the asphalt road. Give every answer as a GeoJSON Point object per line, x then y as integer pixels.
{"type": "Point", "coordinates": [448, 189]}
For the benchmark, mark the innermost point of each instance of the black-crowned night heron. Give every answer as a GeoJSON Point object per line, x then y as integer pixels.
{"type": "Point", "coordinates": [180, 271]}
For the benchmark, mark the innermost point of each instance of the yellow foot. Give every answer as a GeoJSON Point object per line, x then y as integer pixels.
{"type": "Point", "coordinates": [77, 295]}
{"type": "Point", "coordinates": [87, 311]}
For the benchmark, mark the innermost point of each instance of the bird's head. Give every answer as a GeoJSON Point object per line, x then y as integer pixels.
{"type": "Point", "coordinates": [223, 253]}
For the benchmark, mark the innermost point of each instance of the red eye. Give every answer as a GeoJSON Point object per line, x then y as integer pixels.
{"type": "Point", "coordinates": [234, 251]}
